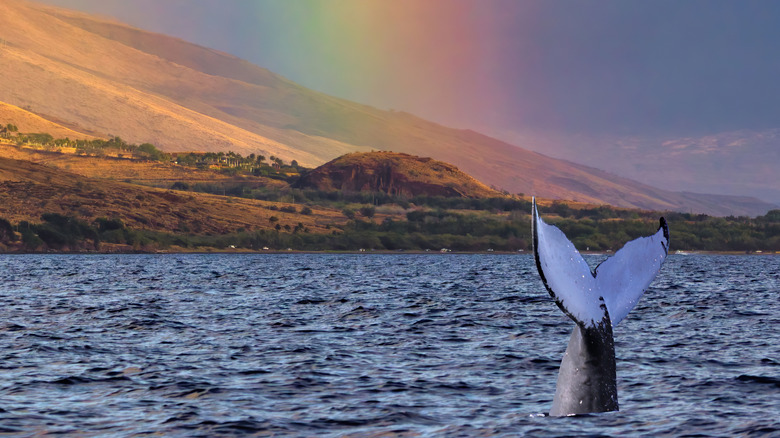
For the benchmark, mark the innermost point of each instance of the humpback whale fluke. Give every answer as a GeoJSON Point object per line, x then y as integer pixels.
{"type": "Point", "coordinates": [596, 300]}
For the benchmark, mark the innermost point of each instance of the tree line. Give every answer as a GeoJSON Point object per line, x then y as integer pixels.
{"type": "Point", "coordinates": [230, 162]}
{"type": "Point", "coordinates": [234, 163]}
{"type": "Point", "coordinates": [96, 147]}
{"type": "Point", "coordinates": [420, 229]}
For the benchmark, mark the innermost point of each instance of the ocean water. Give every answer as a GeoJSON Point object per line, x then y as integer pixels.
{"type": "Point", "coordinates": [370, 345]}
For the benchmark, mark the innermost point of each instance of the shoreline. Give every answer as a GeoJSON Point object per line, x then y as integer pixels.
{"type": "Point", "coordinates": [238, 251]}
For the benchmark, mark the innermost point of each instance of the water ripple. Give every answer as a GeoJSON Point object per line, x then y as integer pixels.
{"type": "Point", "coordinates": [369, 345]}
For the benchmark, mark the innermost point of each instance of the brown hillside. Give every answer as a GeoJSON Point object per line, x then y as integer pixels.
{"type": "Point", "coordinates": [28, 122]}
{"type": "Point", "coordinates": [110, 78]}
{"type": "Point", "coordinates": [28, 190]}
{"type": "Point", "coordinates": [61, 71]}
{"type": "Point", "coordinates": [395, 174]}
{"type": "Point", "coordinates": [139, 172]}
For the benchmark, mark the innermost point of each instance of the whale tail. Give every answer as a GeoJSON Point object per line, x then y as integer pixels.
{"type": "Point", "coordinates": [596, 300]}
{"type": "Point", "coordinates": [612, 289]}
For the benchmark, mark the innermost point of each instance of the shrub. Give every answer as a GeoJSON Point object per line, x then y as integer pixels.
{"type": "Point", "coordinates": [349, 213]}
{"type": "Point", "coordinates": [104, 224]}
{"type": "Point", "coordinates": [368, 211]}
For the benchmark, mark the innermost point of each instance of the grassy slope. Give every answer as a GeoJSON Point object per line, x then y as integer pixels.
{"type": "Point", "coordinates": [141, 172]}
{"type": "Point", "coordinates": [28, 122]}
{"type": "Point", "coordinates": [28, 190]}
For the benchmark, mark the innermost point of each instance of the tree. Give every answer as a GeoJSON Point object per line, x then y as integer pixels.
{"type": "Point", "coordinates": [30, 240]}
{"type": "Point", "coordinates": [105, 224]}
{"type": "Point", "coordinates": [40, 138]}
{"type": "Point", "coordinates": [116, 143]}
{"type": "Point", "coordinates": [6, 231]}
{"type": "Point", "coordinates": [151, 151]}
{"type": "Point", "coordinates": [180, 185]}
{"type": "Point", "coordinates": [772, 216]}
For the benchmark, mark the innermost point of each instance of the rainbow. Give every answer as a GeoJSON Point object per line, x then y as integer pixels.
{"type": "Point", "coordinates": [435, 55]}
{"type": "Point", "coordinates": [444, 60]}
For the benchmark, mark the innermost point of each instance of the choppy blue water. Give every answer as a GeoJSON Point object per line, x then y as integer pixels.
{"type": "Point", "coordinates": [370, 345]}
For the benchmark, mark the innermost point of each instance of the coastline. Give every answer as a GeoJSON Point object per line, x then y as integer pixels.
{"type": "Point", "coordinates": [244, 251]}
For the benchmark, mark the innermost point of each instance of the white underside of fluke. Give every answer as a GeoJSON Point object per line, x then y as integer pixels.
{"type": "Point", "coordinates": [616, 284]}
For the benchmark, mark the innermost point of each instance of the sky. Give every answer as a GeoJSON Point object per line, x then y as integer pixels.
{"type": "Point", "coordinates": [556, 76]}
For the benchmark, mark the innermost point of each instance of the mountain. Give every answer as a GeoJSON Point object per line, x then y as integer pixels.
{"type": "Point", "coordinates": [104, 78]}
{"type": "Point", "coordinates": [729, 163]}
{"type": "Point", "coordinates": [396, 174]}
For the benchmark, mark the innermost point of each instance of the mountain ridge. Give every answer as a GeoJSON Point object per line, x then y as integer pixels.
{"type": "Point", "coordinates": [111, 78]}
